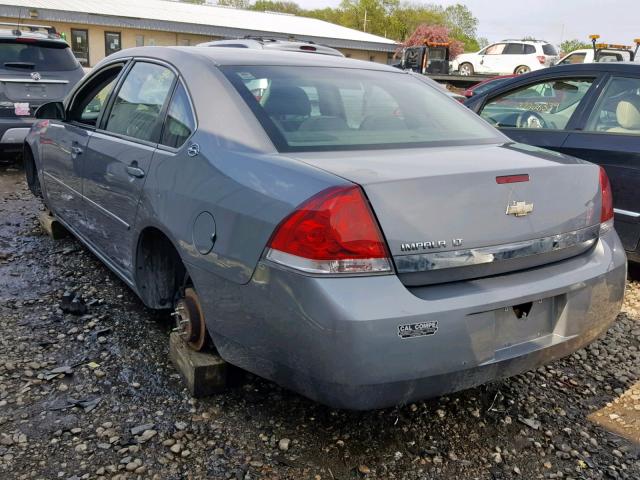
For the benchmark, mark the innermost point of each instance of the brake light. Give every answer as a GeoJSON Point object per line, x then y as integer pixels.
{"type": "Point", "coordinates": [333, 232]}
{"type": "Point", "coordinates": [542, 59]}
{"type": "Point", "coordinates": [606, 212]}
{"type": "Point", "coordinates": [512, 178]}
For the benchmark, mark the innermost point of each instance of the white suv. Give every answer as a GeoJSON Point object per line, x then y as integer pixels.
{"type": "Point", "coordinates": [507, 57]}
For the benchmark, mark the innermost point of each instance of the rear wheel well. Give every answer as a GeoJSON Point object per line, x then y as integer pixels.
{"type": "Point", "coordinates": [160, 272]}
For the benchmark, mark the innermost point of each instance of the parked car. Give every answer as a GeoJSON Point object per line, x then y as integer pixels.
{"type": "Point", "coordinates": [267, 43]}
{"type": "Point", "coordinates": [378, 246]}
{"type": "Point", "coordinates": [591, 111]}
{"type": "Point", "coordinates": [37, 67]}
{"type": "Point", "coordinates": [507, 57]}
{"type": "Point", "coordinates": [588, 55]}
{"type": "Point", "coordinates": [485, 85]}
{"type": "Point", "coordinates": [601, 52]}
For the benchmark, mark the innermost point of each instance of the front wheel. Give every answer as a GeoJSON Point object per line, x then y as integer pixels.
{"type": "Point", "coordinates": [31, 174]}
{"type": "Point", "coordinates": [466, 69]}
{"type": "Point", "coordinates": [522, 69]}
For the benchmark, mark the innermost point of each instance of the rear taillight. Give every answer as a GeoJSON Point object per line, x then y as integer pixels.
{"type": "Point", "coordinates": [606, 212]}
{"type": "Point", "coordinates": [333, 232]}
{"type": "Point", "coordinates": [606, 209]}
{"type": "Point", "coordinates": [542, 59]}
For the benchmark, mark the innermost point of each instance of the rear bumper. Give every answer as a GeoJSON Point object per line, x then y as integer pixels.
{"type": "Point", "coordinates": [13, 132]}
{"type": "Point", "coordinates": [337, 340]}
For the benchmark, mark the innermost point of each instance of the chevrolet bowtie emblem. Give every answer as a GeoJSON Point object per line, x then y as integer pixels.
{"type": "Point", "coordinates": [519, 209]}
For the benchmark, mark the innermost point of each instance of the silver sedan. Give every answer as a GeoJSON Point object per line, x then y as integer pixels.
{"type": "Point", "coordinates": [340, 227]}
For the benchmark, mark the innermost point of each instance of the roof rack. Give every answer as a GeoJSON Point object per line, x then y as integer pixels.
{"type": "Point", "coordinates": [20, 27]}
{"type": "Point", "coordinates": [523, 40]}
{"type": "Point", "coordinates": [275, 38]}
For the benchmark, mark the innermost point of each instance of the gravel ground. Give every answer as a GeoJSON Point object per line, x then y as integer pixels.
{"type": "Point", "coordinates": [93, 395]}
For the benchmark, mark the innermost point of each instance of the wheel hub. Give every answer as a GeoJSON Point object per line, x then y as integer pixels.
{"type": "Point", "coordinates": [190, 323]}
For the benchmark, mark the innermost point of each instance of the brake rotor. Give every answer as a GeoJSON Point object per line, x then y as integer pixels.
{"type": "Point", "coordinates": [190, 323]}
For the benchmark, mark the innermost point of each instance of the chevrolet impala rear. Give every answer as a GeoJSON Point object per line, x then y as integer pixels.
{"type": "Point", "coordinates": [439, 257]}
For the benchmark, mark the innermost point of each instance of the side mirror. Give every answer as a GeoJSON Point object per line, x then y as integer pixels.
{"type": "Point", "coordinates": [51, 111]}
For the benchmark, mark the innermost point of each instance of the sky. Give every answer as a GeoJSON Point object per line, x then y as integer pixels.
{"type": "Point", "coordinates": [616, 21]}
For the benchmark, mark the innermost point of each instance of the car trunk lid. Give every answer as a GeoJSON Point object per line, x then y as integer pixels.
{"type": "Point", "coordinates": [444, 213]}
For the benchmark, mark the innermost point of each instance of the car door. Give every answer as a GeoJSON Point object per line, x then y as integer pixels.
{"type": "Point", "coordinates": [63, 145]}
{"type": "Point", "coordinates": [118, 158]}
{"type": "Point", "coordinates": [492, 59]}
{"type": "Point", "coordinates": [511, 58]}
{"type": "Point", "coordinates": [610, 136]}
{"type": "Point", "coordinates": [539, 112]}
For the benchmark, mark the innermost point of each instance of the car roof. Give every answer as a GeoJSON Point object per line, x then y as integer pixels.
{"type": "Point", "coordinates": [268, 43]}
{"type": "Point", "coordinates": [613, 67]}
{"type": "Point", "coordinates": [249, 56]}
{"type": "Point", "coordinates": [37, 32]}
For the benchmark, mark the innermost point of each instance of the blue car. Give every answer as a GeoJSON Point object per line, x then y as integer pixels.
{"type": "Point", "coordinates": [590, 111]}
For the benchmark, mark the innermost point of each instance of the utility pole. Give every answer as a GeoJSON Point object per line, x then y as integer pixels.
{"type": "Point", "coordinates": [365, 20]}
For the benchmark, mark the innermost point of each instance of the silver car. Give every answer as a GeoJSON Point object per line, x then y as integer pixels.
{"type": "Point", "coordinates": [340, 227]}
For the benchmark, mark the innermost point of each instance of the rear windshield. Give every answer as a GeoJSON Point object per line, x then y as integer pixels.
{"type": "Point", "coordinates": [549, 49]}
{"type": "Point", "coordinates": [36, 56]}
{"type": "Point", "coordinates": [317, 108]}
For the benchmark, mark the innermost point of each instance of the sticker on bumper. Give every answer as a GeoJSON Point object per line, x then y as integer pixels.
{"type": "Point", "coordinates": [421, 329]}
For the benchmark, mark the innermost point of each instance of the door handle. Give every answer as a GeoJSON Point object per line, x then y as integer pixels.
{"type": "Point", "coordinates": [135, 171]}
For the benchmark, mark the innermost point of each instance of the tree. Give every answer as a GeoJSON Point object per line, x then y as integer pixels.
{"type": "Point", "coordinates": [234, 3]}
{"type": "Point", "coordinates": [434, 33]}
{"type": "Point", "coordinates": [569, 46]}
{"type": "Point", "coordinates": [463, 26]}
{"type": "Point", "coordinates": [276, 6]}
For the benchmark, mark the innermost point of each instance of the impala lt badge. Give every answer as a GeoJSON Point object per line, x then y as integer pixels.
{"type": "Point", "coordinates": [429, 245]}
{"type": "Point", "coordinates": [519, 209]}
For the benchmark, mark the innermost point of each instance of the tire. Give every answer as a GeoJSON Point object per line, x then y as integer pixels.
{"type": "Point", "coordinates": [31, 174]}
{"type": "Point", "coordinates": [633, 271]}
{"type": "Point", "coordinates": [521, 70]}
{"type": "Point", "coordinates": [466, 69]}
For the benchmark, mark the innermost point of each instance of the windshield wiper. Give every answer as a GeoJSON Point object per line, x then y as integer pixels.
{"type": "Point", "coordinates": [27, 65]}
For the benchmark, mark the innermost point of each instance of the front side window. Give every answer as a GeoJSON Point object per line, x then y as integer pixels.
{"type": "Point", "coordinates": [91, 99]}
{"type": "Point", "coordinates": [618, 108]}
{"type": "Point", "coordinates": [317, 108]}
{"type": "Point", "coordinates": [496, 49]}
{"type": "Point", "coordinates": [179, 124]}
{"type": "Point", "coordinates": [547, 105]}
{"type": "Point", "coordinates": [138, 104]}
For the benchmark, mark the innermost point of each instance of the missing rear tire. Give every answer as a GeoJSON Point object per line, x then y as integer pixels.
{"type": "Point", "coordinates": [190, 322]}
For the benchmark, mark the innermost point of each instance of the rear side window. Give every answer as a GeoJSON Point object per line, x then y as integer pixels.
{"type": "Point", "coordinates": [528, 49]}
{"type": "Point", "coordinates": [574, 58]}
{"type": "Point", "coordinates": [549, 49]}
{"type": "Point", "coordinates": [36, 56]}
{"type": "Point", "coordinates": [514, 49]}
{"type": "Point", "coordinates": [180, 123]}
{"type": "Point", "coordinates": [137, 107]}
{"type": "Point", "coordinates": [618, 108]}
